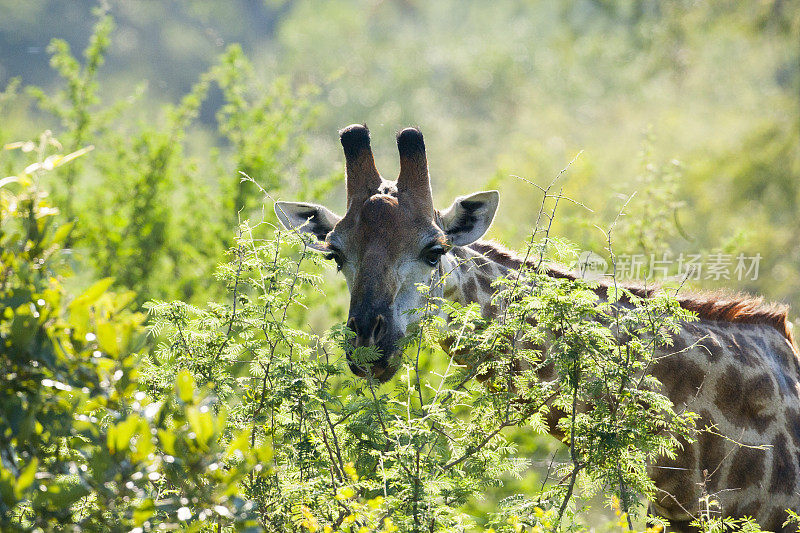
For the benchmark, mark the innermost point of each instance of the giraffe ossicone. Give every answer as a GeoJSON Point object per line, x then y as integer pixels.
{"type": "Point", "coordinates": [737, 366]}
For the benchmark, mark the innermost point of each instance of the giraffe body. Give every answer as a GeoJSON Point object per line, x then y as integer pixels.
{"type": "Point", "coordinates": [737, 367]}
{"type": "Point", "coordinates": [742, 378]}
{"type": "Point", "coordinates": [742, 381]}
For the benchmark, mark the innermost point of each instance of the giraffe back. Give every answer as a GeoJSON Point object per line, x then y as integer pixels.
{"type": "Point", "coordinates": [743, 379]}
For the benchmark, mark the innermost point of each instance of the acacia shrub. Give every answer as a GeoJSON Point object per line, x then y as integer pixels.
{"type": "Point", "coordinates": [351, 454]}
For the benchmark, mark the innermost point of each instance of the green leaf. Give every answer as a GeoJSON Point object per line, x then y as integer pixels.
{"type": "Point", "coordinates": [107, 338]}
{"type": "Point", "coordinates": [60, 494]}
{"type": "Point", "coordinates": [62, 232]}
{"type": "Point", "coordinates": [144, 511]}
{"type": "Point", "coordinates": [26, 477]}
{"type": "Point", "coordinates": [23, 327]}
{"type": "Point", "coordinates": [167, 440]}
{"type": "Point", "coordinates": [202, 425]}
{"type": "Point", "coordinates": [615, 293]}
{"type": "Point", "coordinates": [93, 293]}
{"type": "Point", "coordinates": [184, 386]}
{"type": "Point", "coordinates": [79, 316]}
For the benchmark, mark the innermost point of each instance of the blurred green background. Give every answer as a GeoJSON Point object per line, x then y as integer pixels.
{"type": "Point", "coordinates": [693, 105]}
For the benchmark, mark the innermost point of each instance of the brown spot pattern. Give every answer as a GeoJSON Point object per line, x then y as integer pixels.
{"type": "Point", "coordinates": [746, 401]}
{"type": "Point", "coordinates": [680, 377]}
{"type": "Point", "coordinates": [489, 310]}
{"type": "Point", "coordinates": [712, 447]}
{"type": "Point", "coordinates": [676, 478]}
{"type": "Point", "coordinates": [793, 425]}
{"type": "Point", "coordinates": [783, 470]}
{"type": "Point", "coordinates": [751, 509]}
{"type": "Point", "coordinates": [485, 283]}
{"type": "Point", "coordinates": [739, 346]}
{"type": "Point", "coordinates": [692, 329]}
{"type": "Point", "coordinates": [748, 463]}
{"type": "Point", "coordinates": [485, 266]}
{"type": "Point", "coordinates": [775, 522]}
{"type": "Point", "coordinates": [742, 400]}
{"type": "Point", "coordinates": [678, 344]}
{"type": "Point", "coordinates": [470, 289]}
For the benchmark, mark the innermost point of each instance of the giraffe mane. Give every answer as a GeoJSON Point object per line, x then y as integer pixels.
{"type": "Point", "coordinates": [712, 305]}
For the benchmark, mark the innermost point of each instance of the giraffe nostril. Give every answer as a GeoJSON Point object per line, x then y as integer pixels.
{"type": "Point", "coordinates": [378, 329]}
{"type": "Point", "coordinates": [352, 325]}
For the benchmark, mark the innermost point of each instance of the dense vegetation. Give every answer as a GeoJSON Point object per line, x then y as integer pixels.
{"type": "Point", "coordinates": [99, 434]}
{"type": "Point", "coordinates": [173, 360]}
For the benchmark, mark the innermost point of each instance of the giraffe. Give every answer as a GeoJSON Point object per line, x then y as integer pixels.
{"type": "Point", "coordinates": [737, 366]}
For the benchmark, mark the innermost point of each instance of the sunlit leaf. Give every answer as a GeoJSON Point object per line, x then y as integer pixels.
{"type": "Point", "coordinates": [185, 386]}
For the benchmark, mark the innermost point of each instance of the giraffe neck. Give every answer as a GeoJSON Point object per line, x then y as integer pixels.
{"type": "Point", "coordinates": [469, 275]}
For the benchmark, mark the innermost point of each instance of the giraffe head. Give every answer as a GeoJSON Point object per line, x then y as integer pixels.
{"type": "Point", "coordinates": [390, 240]}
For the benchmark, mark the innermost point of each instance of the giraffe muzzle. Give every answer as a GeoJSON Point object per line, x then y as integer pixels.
{"type": "Point", "coordinates": [370, 335]}
{"type": "Point", "coordinates": [374, 331]}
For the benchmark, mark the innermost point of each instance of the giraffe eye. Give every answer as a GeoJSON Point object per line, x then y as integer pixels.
{"type": "Point", "coordinates": [431, 254]}
{"type": "Point", "coordinates": [337, 256]}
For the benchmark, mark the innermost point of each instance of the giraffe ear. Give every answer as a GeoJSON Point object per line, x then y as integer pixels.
{"type": "Point", "coordinates": [308, 218]}
{"type": "Point", "coordinates": [469, 217]}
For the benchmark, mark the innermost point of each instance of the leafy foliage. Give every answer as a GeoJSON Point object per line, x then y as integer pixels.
{"type": "Point", "coordinates": [140, 222]}
{"type": "Point", "coordinates": [417, 454]}
{"type": "Point", "coordinates": [284, 438]}
{"type": "Point", "coordinates": [237, 414]}
{"type": "Point", "coordinates": [80, 443]}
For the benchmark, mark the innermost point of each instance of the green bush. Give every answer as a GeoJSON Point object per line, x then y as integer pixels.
{"type": "Point", "coordinates": [242, 419]}
{"type": "Point", "coordinates": [350, 455]}
{"type": "Point", "coordinates": [82, 448]}
{"type": "Point", "coordinates": [136, 198]}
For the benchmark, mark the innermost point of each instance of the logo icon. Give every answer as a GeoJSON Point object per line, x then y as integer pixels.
{"type": "Point", "coordinates": [591, 266]}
